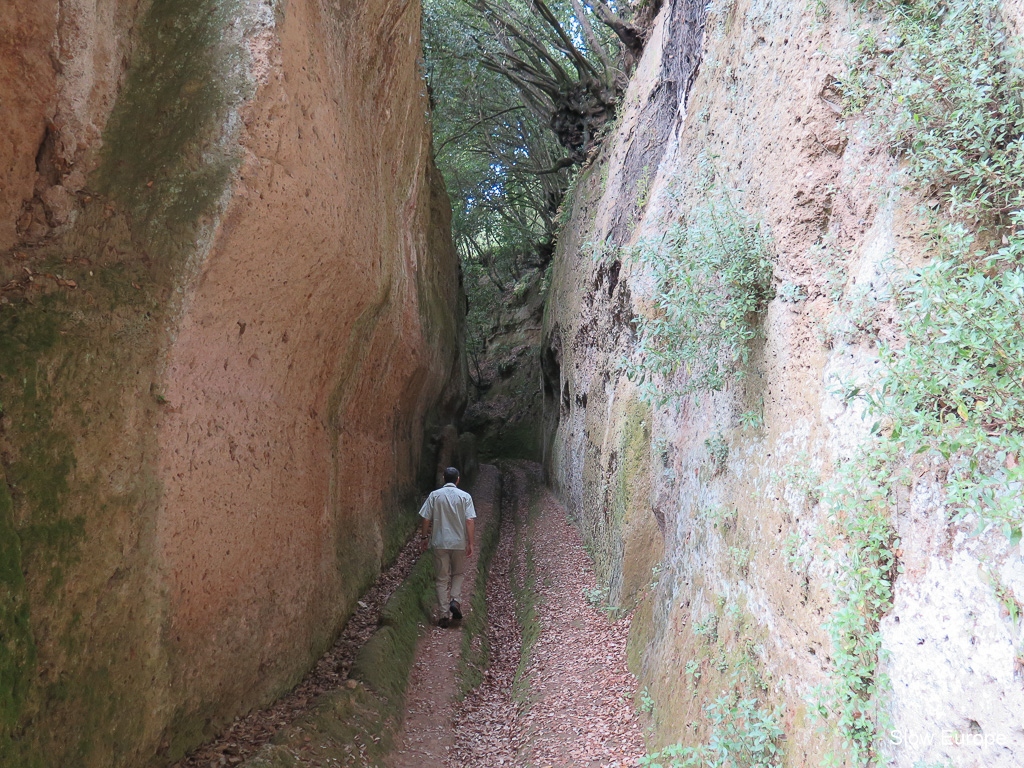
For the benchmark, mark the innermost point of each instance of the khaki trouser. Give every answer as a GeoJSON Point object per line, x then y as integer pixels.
{"type": "Point", "coordinates": [451, 564]}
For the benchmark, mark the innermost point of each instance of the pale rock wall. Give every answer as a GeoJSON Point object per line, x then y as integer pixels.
{"type": "Point", "coordinates": [217, 370]}
{"type": "Point", "coordinates": [690, 543]}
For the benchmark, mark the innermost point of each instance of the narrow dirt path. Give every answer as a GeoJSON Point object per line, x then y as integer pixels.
{"type": "Point", "coordinates": [568, 701]}
{"type": "Point", "coordinates": [485, 720]}
{"type": "Point", "coordinates": [556, 693]}
{"type": "Point", "coordinates": [426, 736]}
{"type": "Point", "coordinates": [581, 692]}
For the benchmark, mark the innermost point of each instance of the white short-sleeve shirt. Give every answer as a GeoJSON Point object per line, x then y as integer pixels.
{"type": "Point", "coordinates": [449, 508]}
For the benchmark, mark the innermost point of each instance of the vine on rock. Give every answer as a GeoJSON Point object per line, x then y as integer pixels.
{"type": "Point", "coordinates": [944, 88]}
{"type": "Point", "coordinates": [713, 272]}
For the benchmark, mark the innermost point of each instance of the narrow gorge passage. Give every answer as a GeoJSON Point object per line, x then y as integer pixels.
{"type": "Point", "coordinates": [556, 691]}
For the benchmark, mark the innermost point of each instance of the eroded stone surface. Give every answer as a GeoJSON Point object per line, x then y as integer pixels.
{"type": "Point", "coordinates": [231, 310]}
{"type": "Point", "coordinates": [739, 578]}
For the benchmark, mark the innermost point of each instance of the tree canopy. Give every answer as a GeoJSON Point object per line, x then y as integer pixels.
{"type": "Point", "coordinates": [521, 91]}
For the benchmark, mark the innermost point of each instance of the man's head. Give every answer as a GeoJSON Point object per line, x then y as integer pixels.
{"type": "Point", "coordinates": [451, 475]}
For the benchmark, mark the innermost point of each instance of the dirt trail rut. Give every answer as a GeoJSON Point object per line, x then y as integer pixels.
{"type": "Point", "coordinates": [567, 702]}
{"type": "Point", "coordinates": [556, 692]}
{"type": "Point", "coordinates": [426, 737]}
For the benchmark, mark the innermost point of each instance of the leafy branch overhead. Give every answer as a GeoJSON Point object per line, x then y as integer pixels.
{"type": "Point", "coordinates": [520, 92]}
{"type": "Point", "coordinates": [566, 71]}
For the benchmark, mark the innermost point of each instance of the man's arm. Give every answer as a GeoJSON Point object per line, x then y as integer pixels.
{"type": "Point", "coordinates": [425, 531]}
{"type": "Point", "coordinates": [427, 513]}
{"type": "Point", "coordinates": [470, 527]}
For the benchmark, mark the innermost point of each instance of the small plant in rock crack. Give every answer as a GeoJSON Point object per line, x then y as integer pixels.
{"type": "Point", "coordinates": [1004, 595]}
{"type": "Point", "coordinates": [858, 314]}
{"type": "Point", "coordinates": [740, 559]}
{"type": "Point", "coordinates": [743, 733]}
{"type": "Point", "coordinates": [693, 672]}
{"type": "Point", "coordinates": [707, 628]}
{"type": "Point", "coordinates": [655, 576]}
{"type": "Point", "coordinates": [718, 452]}
{"type": "Point", "coordinates": [643, 189]}
{"type": "Point", "coordinates": [597, 596]}
{"type": "Point", "coordinates": [601, 251]}
{"type": "Point", "coordinates": [792, 293]}
{"type": "Point", "coordinates": [798, 559]}
{"type": "Point", "coordinates": [830, 266]}
{"type": "Point", "coordinates": [713, 272]}
{"type": "Point", "coordinates": [722, 517]}
{"type": "Point", "coordinates": [798, 475]}
{"type": "Point", "coordinates": [753, 419]}
{"type": "Point", "coordinates": [646, 702]}
{"type": "Point", "coordinates": [820, 9]}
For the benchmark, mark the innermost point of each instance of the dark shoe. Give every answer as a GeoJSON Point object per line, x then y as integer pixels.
{"type": "Point", "coordinates": [444, 621]}
{"type": "Point", "coordinates": [456, 610]}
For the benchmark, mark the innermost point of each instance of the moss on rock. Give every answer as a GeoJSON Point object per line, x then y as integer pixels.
{"type": "Point", "coordinates": [384, 662]}
{"type": "Point", "coordinates": [17, 646]}
{"type": "Point", "coordinates": [363, 720]}
{"type": "Point", "coordinates": [164, 151]}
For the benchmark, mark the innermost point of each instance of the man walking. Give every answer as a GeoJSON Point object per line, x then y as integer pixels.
{"type": "Point", "coordinates": [450, 512]}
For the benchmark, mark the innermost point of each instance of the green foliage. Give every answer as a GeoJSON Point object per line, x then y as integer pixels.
{"type": "Point", "coordinates": [601, 251]}
{"type": "Point", "coordinates": [646, 702]}
{"type": "Point", "coordinates": [743, 735]}
{"type": "Point", "coordinates": [718, 452]}
{"type": "Point", "coordinates": [693, 672]}
{"type": "Point", "coordinates": [859, 500]}
{"type": "Point", "coordinates": [954, 387]}
{"type": "Point", "coordinates": [1004, 594]}
{"type": "Point", "coordinates": [798, 475]}
{"type": "Point", "coordinates": [597, 595]}
{"type": "Point", "coordinates": [487, 143]}
{"type": "Point", "coordinates": [643, 188]}
{"type": "Point", "coordinates": [753, 419]}
{"type": "Point", "coordinates": [713, 273]}
{"type": "Point", "coordinates": [721, 517]}
{"type": "Point", "coordinates": [820, 9]}
{"type": "Point", "coordinates": [740, 558]}
{"type": "Point", "coordinates": [947, 90]}
{"type": "Point", "coordinates": [707, 628]}
{"type": "Point", "coordinates": [792, 292]}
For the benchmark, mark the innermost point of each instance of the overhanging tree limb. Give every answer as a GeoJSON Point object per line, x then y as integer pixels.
{"type": "Point", "coordinates": [476, 123]}
{"type": "Point", "coordinates": [631, 36]}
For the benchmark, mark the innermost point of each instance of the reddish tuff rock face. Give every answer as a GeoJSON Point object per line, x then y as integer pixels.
{"type": "Point", "coordinates": [309, 352]}
{"type": "Point", "coordinates": [231, 252]}
{"type": "Point", "coordinates": [61, 66]}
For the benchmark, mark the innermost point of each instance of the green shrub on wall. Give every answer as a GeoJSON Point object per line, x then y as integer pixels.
{"type": "Point", "coordinates": [743, 733]}
{"type": "Point", "coordinates": [954, 387]}
{"type": "Point", "coordinates": [945, 91]}
{"type": "Point", "coordinates": [713, 272]}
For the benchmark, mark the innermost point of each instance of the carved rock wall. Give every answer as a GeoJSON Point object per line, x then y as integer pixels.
{"type": "Point", "coordinates": [703, 514]}
{"type": "Point", "coordinates": [225, 337]}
